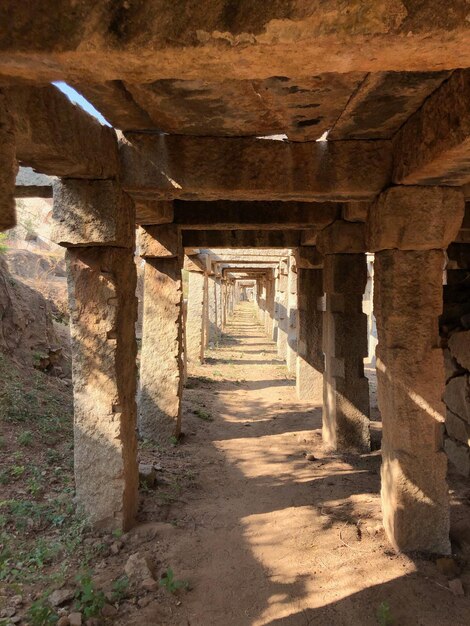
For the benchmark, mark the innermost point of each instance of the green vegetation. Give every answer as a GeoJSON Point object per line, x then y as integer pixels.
{"type": "Point", "coordinates": [384, 614]}
{"type": "Point", "coordinates": [170, 583]}
{"type": "Point", "coordinates": [88, 599]}
{"type": "Point", "coordinates": [203, 415]}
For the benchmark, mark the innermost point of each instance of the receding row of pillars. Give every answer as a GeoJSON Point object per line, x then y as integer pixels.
{"type": "Point", "coordinates": [311, 307]}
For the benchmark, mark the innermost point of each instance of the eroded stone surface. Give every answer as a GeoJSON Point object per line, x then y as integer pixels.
{"type": "Point", "coordinates": [91, 213]}
{"type": "Point", "coordinates": [310, 359]}
{"type": "Point", "coordinates": [342, 237]}
{"type": "Point", "coordinates": [415, 218]}
{"type": "Point", "coordinates": [159, 241]}
{"type": "Point", "coordinates": [411, 381]}
{"type": "Point", "coordinates": [208, 168]}
{"type": "Point", "coordinates": [195, 326]}
{"type": "Point", "coordinates": [103, 307]}
{"type": "Point", "coordinates": [346, 390]}
{"type": "Point", "coordinates": [8, 168]}
{"type": "Point", "coordinates": [161, 369]}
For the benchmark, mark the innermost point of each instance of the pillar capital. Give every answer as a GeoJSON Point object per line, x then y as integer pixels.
{"type": "Point", "coordinates": [342, 237]}
{"type": "Point", "coordinates": [415, 218]}
{"type": "Point", "coordinates": [308, 258]}
{"type": "Point", "coordinates": [92, 213]}
{"type": "Point", "coordinates": [162, 241]}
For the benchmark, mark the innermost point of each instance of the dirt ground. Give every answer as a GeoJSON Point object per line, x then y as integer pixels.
{"type": "Point", "coordinates": [264, 535]}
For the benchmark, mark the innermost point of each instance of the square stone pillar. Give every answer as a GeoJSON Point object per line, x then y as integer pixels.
{"type": "Point", "coordinates": [212, 310]}
{"type": "Point", "coordinates": [275, 330]}
{"type": "Point", "coordinates": [195, 322]}
{"type": "Point", "coordinates": [310, 359]}
{"type": "Point", "coordinates": [161, 361]}
{"type": "Point", "coordinates": [346, 389]}
{"type": "Point", "coordinates": [409, 227]}
{"type": "Point", "coordinates": [282, 306]}
{"type": "Point", "coordinates": [103, 313]}
{"type": "Point", "coordinates": [8, 168]}
{"type": "Point", "coordinates": [292, 314]}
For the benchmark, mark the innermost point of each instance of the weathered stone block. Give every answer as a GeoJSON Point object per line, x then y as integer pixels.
{"type": "Point", "coordinates": [415, 218]}
{"type": "Point", "coordinates": [8, 168]}
{"type": "Point", "coordinates": [355, 211]}
{"type": "Point", "coordinates": [159, 241]}
{"type": "Point", "coordinates": [195, 321]}
{"type": "Point", "coordinates": [411, 381]}
{"type": "Point", "coordinates": [161, 369]}
{"type": "Point", "coordinates": [457, 428]}
{"type": "Point", "coordinates": [459, 455]}
{"type": "Point", "coordinates": [457, 397]}
{"type": "Point", "coordinates": [103, 307]}
{"type": "Point", "coordinates": [92, 213]}
{"type": "Point", "coordinates": [459, 345]}
{"type": "Point", "coordinates": [342, 237]}
{"type": "Point", "coordinates": [308, 258]}
{"type": "Point", "coordinates": [345, 273]}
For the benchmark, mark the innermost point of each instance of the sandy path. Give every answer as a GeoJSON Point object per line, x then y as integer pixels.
{"type": "Point", "coordinates": [267, 536]}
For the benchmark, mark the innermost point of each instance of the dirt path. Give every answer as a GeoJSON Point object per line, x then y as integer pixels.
{"type": "Point", "coordinates": [265, 535]}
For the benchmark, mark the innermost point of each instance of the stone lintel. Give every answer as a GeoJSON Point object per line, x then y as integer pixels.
{"type": "Point", "coordinates": [31, 184]}
{"type": "Point", "coordinates": [231, 215]}
{"type": "Point", "coordinates": [59, 138]}
{"type": "Point", "coordinates": [342, 237]}
{"type": "Point", "coordinates": [102, 283]}
{"type": "Point", "coordinates": [8, 168]}
{"type": "Point", "coordinates": [241, 238]}
{"type": "Point", "coordinates": [159, 241]}
{"type": "Point", "coordinates": [433, 148]}
{"type": "Point", "coordinates": [197, 263]}
{"type": "Point", "coordinates": [309, 237]}
{"type": "Point", "coordinates": [208, 168]}
{"type": "Point", "coordinates": [209, 42]}
{"type": "Point", "coordinates": [355, 211]}
{"type": "Point", "coordinates": [92, 213]}
{"type": "Point", "coordinates": [415, 218]}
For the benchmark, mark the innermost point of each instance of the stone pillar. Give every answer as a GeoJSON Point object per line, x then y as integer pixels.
{"type": "Point", "coordinates": [346, 389]}
{"type": "Point", "coordinates": [409, 227]}
{"type": "Point", "coordinates": [282, 302]}
{"type": "Point", "coordinates": [95, 221]}
{"type": "Point", "coordinates": [195, 323]}
{"type": "Point", "coordinates": [219, 305]}
{"type": "Point", "coordinates": [310, 359]}
{"type": "Point", "coordinates": [8, 168]}
{"type": "Point", "coordinates": [292, 315]}
{"type": "Point", "coordinates": [212, 313]}
{"type": "Point", "coordinates": [161, 361]}
{"type": "Point", "coordinates": [275, 331]}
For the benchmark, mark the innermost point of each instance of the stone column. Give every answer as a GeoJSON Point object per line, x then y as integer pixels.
{"type": "Point", "coordinates": [161, 361]}
{"type": "Point", "coordinates": [409, 227]}
{"type": "Point", "coordinates": [95, 221]}
{"type": "Point", "coordinates": [282, 302]}
{"type": "Point", "coordinates": [195, 323]}
{"type": "Point", "coordinates": [8, 168]}
{"type": "Point", "coordinates": [346, 389]}
{"type": "Point", "coordinates": [275, 331]}
{"type": "Point", "coordinates": [212, 313]}
{"type": "Point", "coordinates": [310, 359]}
{"type": "Point", "coordinates": [292, 315]}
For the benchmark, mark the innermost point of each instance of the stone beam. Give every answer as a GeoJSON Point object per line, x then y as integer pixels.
{"type": "Point", "coordinates": [103, 42]}
{"type": "Point", "coordinates": [241, 238]}
{"type": "Point", "coordinates": [30, 184]}
{"type": "Point", "coordinates": [57, 137]}
{"type": "Point", "coordinates": [433, 147]}
{"type": "Point", "coordinates": [222, 254]}
{"type": "Point", "coordinates": [226, 215]}
{"type": "Point", "coordinates": [207, 168]}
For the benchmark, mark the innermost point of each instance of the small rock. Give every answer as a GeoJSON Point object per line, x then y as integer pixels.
{"type": "Point", "coordinates": [149, 584]}
{"type": "Point", "coordinates": [16, 620]}
{"type": "Point", "coordinates": [108, 610]}
{"type": "Point", "coordinates": [60, 596]}
{"type": "Point", "coordinates": [75, 619]}
{"type": "Point", "coordinates": [447, 566]}
{"type": "Point", "coordinates": [116, 547]}
{"type": "Point", "coordinates": [93, 621]}
{"type": "Point", "coordinates": [310, 457]}
{"type": "Point", "coordinates": [455, 586]}
{"type": "Point", "coordinates": [63, 621]}
{"type": "Point", "coordinates": [8, 612]}
{"type": "Point", "coordinates": [145, 601]}
{"type": "Point", "coordinates": [147, 475]}
{"type": "Point", "coordinates": [17, 600]}
{"type": "Point", "coordinates": [138, 567]}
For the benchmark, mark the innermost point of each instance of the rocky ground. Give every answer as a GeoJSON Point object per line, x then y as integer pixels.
{"type": "Point", "coordinates": [245, 521]}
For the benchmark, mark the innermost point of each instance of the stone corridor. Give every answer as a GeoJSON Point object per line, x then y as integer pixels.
{"type": "Point", "coordinates": [275, 531]}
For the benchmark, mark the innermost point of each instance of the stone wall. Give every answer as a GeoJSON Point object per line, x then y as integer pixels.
{"type": "Point", "coordinates": [455, 339]}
